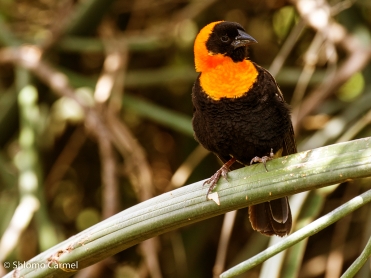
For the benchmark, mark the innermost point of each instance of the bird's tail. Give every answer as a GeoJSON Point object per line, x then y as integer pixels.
{"type": "Point", "coordinates": [271, 218]}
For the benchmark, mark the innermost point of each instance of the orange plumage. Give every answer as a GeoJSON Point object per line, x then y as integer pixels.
{"type": "Point", "coordinates": [221, 76]}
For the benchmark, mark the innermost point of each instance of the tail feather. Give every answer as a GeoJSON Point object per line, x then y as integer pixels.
{"type": "Point", "coordinates": [280, 210]}
{"type": "Point", "coordinates": [271, 218]}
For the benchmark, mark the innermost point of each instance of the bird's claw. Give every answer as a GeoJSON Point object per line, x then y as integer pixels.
{"type": "Point", "coordinates": [223, 171]}
{"type": "Point", "coordinates": [263, 159]}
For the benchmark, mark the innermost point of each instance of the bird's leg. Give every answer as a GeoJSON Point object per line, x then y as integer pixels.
{"type": "Point", "coordinates": [221, 172]}
{"type": "Point", "coordinates": [263, 159]}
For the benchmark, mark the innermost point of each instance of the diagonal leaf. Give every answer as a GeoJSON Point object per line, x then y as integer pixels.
{"type": "Point", "coordinates": [250, 185]}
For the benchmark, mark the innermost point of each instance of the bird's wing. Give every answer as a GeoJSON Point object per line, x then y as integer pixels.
{"type": "Point", "coordinates": [289, 138]}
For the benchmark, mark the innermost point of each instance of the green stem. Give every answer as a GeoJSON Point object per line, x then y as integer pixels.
{"type": "Point", "coordinates": [310, 209]}
{"type": "Point", "coordinates": [92, 44]}
{"type": "Point", "coordinates": [7, 38]}
{"type": "Point", "coordinates": [87, 16]}
{"type": "Point", "coordinates": [304, 233]}
{"type": "Point", "coordinates": [166, 117]}
{"type": "Point", "coordinates": [250, 185]}
{"type": "Point", "coordinates": [359, 262]}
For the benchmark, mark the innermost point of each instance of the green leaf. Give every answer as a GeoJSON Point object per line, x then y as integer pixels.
{"type": "Point", "coordinates": [282, 21]}
{"type": "Point", "coordinates": [352, 88]}
{"type": "Point", "coordinates": [250, 185]}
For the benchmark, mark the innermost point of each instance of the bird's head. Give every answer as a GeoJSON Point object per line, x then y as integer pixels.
{"type": "Point", "coordinates": [218, 41]}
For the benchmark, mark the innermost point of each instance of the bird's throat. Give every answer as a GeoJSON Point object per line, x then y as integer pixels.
{"type": "Point", "coordinates": [228, 79]}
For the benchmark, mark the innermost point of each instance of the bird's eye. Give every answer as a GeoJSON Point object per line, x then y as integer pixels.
{"type": "Point", "coordinates": [224, 38]}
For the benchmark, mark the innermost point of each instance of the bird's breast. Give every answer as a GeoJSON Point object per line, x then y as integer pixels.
{"type": "Point", "coordinates": [228, 79]}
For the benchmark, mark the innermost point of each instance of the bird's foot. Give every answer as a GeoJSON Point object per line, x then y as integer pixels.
{"type": "Point", "coordinates": [223, 171]}
{"type": "Point", "coordinates": [263, 159]}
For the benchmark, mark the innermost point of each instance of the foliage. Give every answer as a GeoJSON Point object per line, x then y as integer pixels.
{"type": "Point", "coordinates": [96, 117]}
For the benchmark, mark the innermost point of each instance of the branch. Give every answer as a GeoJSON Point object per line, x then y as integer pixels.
{"type": "Point", "coordinates": [250, 185]}
{"type": "Point", "coordinates": [317, 14]}
{"type": "Point", "coordinates": [359, 262]}
{"type": "Point", "coordinates": [305, 232]}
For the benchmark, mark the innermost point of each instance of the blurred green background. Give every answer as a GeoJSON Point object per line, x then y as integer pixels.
{"type": "Point", "coordinates": [65, 166]}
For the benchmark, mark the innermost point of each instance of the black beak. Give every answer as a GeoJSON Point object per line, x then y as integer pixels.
{"type": "Point", "coordinates": [242, 39]}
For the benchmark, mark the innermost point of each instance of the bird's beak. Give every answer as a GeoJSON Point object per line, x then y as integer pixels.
{"type": "Point", "coordinates": [242, 39]}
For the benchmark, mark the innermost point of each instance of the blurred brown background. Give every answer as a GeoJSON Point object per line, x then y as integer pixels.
{"type": "Point", "coordinates": [95, 116]}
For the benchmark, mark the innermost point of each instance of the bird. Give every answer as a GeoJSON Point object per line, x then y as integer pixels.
{"type": "Point", "coordinates": [240, 115]}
